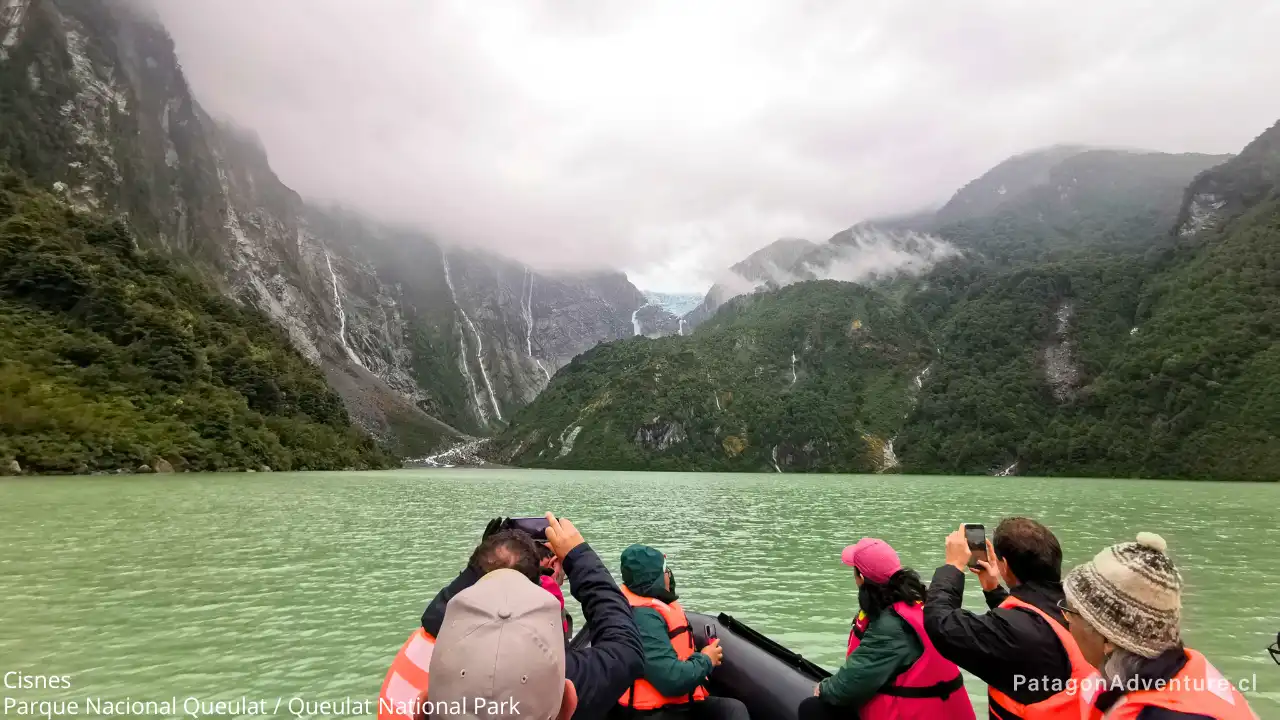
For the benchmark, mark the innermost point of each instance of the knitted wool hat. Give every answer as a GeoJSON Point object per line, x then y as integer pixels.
{"type": "Point", "coordinates": [1132, 594]}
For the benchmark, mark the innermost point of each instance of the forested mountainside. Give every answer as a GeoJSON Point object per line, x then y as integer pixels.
{"type": "Point", "coordinates": [1105, 348]}
{"type": "Point", "coordinates": [1050, 203]}
{"type": "Point", "coordinates": [94, 108]}
{"type": "Point", "coordinates": [812, 377]}
{"type": "Point", "coordinates": [112, 358]}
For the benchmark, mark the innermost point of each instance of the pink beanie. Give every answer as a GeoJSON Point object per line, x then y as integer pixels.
{"type": "Point", "coordinates": [873, 558]}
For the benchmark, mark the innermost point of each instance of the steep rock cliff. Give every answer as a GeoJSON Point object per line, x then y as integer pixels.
{"type": "Point", "coordinates": [94, 107]}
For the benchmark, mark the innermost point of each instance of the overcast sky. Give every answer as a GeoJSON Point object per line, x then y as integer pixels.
{"type": "Point", "coordinates": [672, 138]}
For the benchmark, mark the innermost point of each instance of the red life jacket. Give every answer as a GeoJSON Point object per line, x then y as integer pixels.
{"type": "Point", "coordinates": [856, 632]}
{"type": "Point", "coordinates": [405, 686]}
{"type": "Point", "coordinates": [642, 695]}
{"type": "Point", "coordinates": [1074, 702]}
{"type": "Point", "coordinates": [1198, 689]}
{"type": "Point", "coordinates": [931, 689]}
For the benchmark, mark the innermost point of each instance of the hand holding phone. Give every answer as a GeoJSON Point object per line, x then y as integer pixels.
{"type": "Point", "coordinates": [562, 535]}
{"type": "Point", "coordinates": [976, 537]}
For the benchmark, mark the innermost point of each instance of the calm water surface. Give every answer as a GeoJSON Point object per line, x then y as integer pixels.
{"type": "Point", "coordinates": [303, 585]}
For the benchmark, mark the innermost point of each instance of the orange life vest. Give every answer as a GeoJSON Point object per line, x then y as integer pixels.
{"type": "Point", "coordinates": [406, 683]}
{"type": "Point", "coordinates": [1198, 689]}
{"type": "Point", "coordinates": [642, 695]}
{"type": "Point", "coordinates": [1074, 702]}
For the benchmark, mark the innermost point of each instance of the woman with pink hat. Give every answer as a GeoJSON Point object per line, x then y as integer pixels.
{"type": "Point", "coordinates": [891, 670]}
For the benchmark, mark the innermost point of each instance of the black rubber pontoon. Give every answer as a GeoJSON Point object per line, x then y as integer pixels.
{"type": "Point", "coordinates": [767, 677]}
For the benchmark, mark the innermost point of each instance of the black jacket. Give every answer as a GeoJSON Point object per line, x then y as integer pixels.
{"type": "Point", "coordinates": [1002, 643]}
{"type": "Point", "coordinates": [601, 672]}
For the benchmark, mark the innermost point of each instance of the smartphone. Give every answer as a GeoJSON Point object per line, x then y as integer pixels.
{"type": "Point", "coordinates": [976, 535]}
{"type": "Point", "coordinates": [536, 527]}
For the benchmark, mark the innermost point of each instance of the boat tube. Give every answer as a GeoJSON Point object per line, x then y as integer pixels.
{"type": "Point", "coordinates": [767, 677]}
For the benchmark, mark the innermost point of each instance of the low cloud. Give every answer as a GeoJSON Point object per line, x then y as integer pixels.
{"type": "Point", "coordinates": [672, 139]}
{"type": "Point", "coordinates": [871, 254]}
{"type": "Point", "coordinates": [860, 255]}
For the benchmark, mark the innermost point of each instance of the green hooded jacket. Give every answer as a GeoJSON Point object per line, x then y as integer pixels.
{"type": "Point", "coordinates": [642, 574]}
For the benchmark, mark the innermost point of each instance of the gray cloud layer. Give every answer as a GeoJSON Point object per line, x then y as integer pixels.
{"type": "Point", "coordinates": [674, 138]}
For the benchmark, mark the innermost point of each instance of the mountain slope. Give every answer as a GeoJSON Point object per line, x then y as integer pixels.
{"type": "Point", "coordinates": [863, 253]}
{"type": "Point", "coordinates": [1081, 333]}
{"type": "Point", "coordinates": [1156, 366]}
{"type": "Point", "coordinates": [815, 376]}
{"type": "Point", "coordinates": [113, 359]}
{"type": "Point", "coordinates": [1046, 204]}
{"type": "Point", "coordinates": [94, 107]}
{"type": "Point", "coordinates": [1065, 200]}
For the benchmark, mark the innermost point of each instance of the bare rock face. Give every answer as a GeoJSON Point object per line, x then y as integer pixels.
{"type": "Point", "coordinates": [659, 435]}
{"type": "Point", "coordinates": [421, 357]}
{"type": "Point", "coordinates": [161, 465]}
{"type": "Point", "coordinates": [1060, 368]}
{"type": "Point", "coordinates": [1201, 213]}
{"type": "Point", "coordinates": [655, 321]}
{"type": "Point", "coordinates": [143, 468]}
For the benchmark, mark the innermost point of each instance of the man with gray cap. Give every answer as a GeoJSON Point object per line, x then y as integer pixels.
{"type": "Point", "coordinates": [1124, 608]}
{"type": "Point", "coordinates": [500, 653]}
{"type": "Point", "coordinates": [598, 673]}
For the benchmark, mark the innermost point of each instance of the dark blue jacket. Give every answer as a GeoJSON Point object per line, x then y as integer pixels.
{"type": "Point", "coordinates": [601, 672]}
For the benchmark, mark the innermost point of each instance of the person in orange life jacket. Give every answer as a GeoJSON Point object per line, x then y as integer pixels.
{"type": "Point", "coordinates": [1020, 647]}
{"type": "Point", "coordinates": [892, 671]}
{"type": "Point", "coordinates": [600, 672]}
{"type": "Point", "coordinates": [499, 654]}
{"type": "Point", "coordinates": [674, 671]}
{"type": "Point", "coordinates": [1125, 609]}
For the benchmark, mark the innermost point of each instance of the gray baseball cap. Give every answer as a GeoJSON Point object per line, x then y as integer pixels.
{"type": "Point", "coordinates": [500, 652]}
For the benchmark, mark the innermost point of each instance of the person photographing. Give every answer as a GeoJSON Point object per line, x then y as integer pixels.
{"type": "Point", "coordinates": [1020, 647]}
{"type": "Point", "coordinates": [598, 674]}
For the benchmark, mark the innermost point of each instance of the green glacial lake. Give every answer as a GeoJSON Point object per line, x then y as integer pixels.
{"type": "Point", "coordinates": [303, 585]}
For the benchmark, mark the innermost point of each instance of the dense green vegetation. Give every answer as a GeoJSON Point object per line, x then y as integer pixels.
{"type": "Point", "coordinates": [1168, 340]}
{"type": "Point", "coordinates": [725, 397]}
{"type": "Point", "coordinates": [1090, 200]}
{"type": "Point", "coordinates": [1176, 350]}
{"type": "Point", "coordinates": [111, 358]}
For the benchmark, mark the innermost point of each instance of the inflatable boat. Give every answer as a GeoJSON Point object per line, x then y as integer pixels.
{"type": "Point", "coordinates": [767, 677]}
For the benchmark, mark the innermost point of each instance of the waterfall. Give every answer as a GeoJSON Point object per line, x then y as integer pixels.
{"type": "Point", "coordinates": [527, 309]}
{"type": "Point", "coordinates": [716, 394]}
{"type": "Point", "coordinates": [919, 381]}
{"type": "Point", "coordinates": [774, 455]}
{"type": "Point", "coordinates": [890, 458]}
{"type": "Point", "coordinates": [793, 368]}
{"type": "Point", "coordinates": [479, 347]}
{"type": "Point", "coordinates": [471, 381]}
{"type": "Point", "coordinates": [1009, 471]}
{"type": "Point", "coordinates": [342, 314]}
{"type": "Point", "coordinates": [680, 327]}
{"type": "Point", "coordinates": [528, 315]}
{"type": "Point", "coordinates": [635, 320]}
